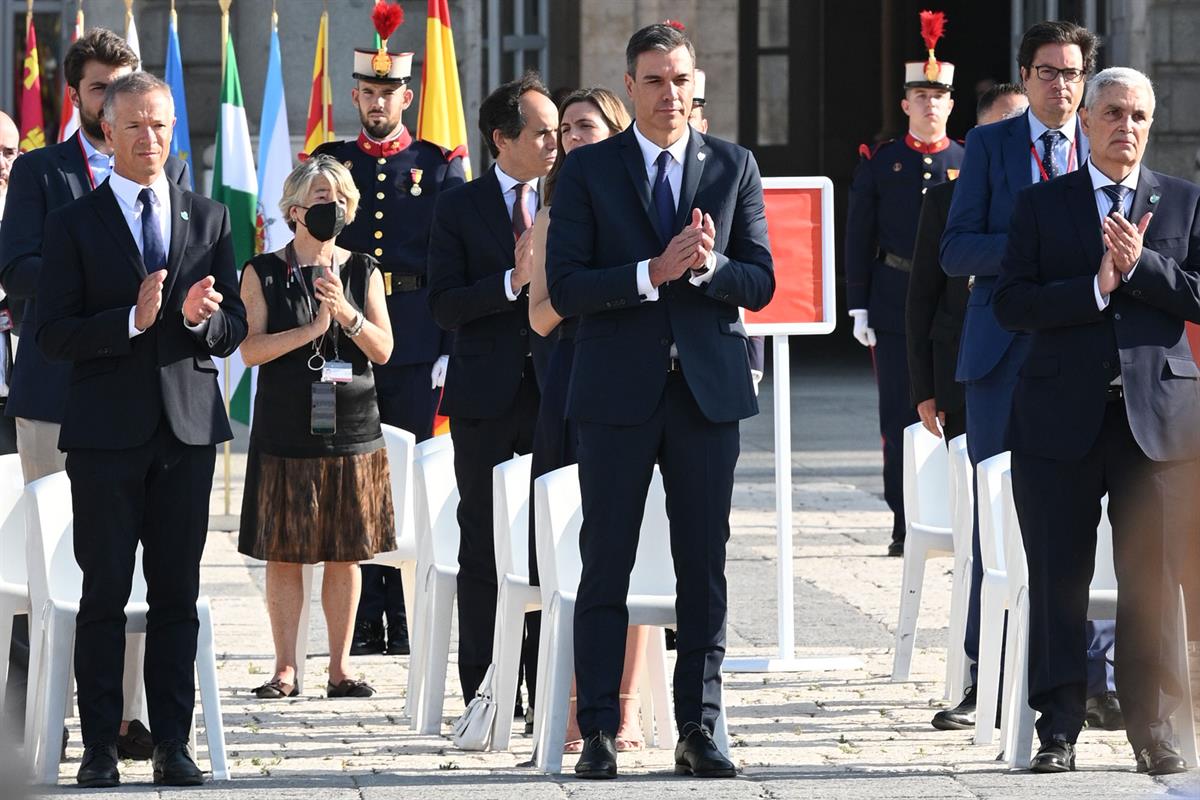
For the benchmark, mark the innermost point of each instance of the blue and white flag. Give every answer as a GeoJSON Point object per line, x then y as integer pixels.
{"type": "Point", "coordinates": [181, 141]}
{"type": "Point", "coordinates": [274, 155]}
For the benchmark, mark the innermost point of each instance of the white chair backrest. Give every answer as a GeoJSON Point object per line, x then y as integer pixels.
{"type": "Point", "coordinates": [1105, 574]}
{"type": "Point", "coordinates": [53, 572]}
{"type": "Point", "coordinates": [993, 505]}
{"type": "Point", "coordinates": [558, 515]}
{"type": "Point", "coordinates": [654, 569]}
{"type": "Point", "coordinates": [436, 496]}
{"type": "Point", "coordinates": [962, 494]}
{"type": "Point", "coordinates": [400, 446]}
{"type": "Point", "coordinates": [510, 515]}
{"type": "Point", "coordinates": [12, 522]}
{"type": "Point", "coordinates": [432, 445]}
{"type": "Point", "coordinates": [925, 478]}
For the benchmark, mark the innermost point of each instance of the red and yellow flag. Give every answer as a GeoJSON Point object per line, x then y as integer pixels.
{"type": "Point", "coordinates": [319, 128]}
{"type": "Point", "coordinates": [68, 118]}
{"type": "Point", "coordinates": [441, 119]}
{"type": "Point", "coordinates": [33, 126]}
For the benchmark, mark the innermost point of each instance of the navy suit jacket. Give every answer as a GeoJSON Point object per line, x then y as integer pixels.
{"type": "Point", "coordinates": [471, 246]}
{"type": "Point", "coordinates": [1046, 287]}
{"type": "Point", "coordinates": [121, 387]}
{"type": "Point", "coordinates": [41, 181]}
{"type": "Point", "coordinates": [997, 165]}
{"type": "Point", "coordinates": [601, 226]}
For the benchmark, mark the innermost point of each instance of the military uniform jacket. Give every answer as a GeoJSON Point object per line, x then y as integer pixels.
{"type": "Point", "coordinates": [881, 222]}
{"type": "Point", "coordinates": [399, 182]}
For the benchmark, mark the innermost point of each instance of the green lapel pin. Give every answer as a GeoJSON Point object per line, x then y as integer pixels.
{"type": "Point", "coordinates": [1153, 199]}
{"type": "Point", "coordinates": [183, 215]}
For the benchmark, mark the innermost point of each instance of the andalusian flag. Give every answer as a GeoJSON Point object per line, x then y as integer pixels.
{"type": "Point", "coordinates": [441, 119]}
{"type": "Point", "coordinates": [181, 141]}
{"type": "Point", "coordinates": [274, 154]}
{"type": "Point", "coordinates": [235, 185]}
{"type": "Point", "coordinates": [33, 126]}
{"type": "Point", "coordinates": [69, 116]}
{"type": "Point", "coordinates": [319, 127]}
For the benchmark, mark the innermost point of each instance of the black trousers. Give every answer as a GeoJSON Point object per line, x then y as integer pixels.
{"type": "Point", "coordinates": [1149, 504]}
{"type": "Point", "coordinates": [479, 445]}
{"type": "Point", "coordinates": [616, 463]}
{"type": "Point", "coordinates": [896, 412]}
{"type": "Point", "coordinates": [156, 493]}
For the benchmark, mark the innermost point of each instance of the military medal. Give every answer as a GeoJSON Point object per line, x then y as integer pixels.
{"type": "Point", "coordinates": [415, 175]}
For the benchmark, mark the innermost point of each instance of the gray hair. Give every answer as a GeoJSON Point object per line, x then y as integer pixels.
{"type": "Point", "coordinates": [1126, 77]}
{"type": "Point", "coordinates": [139, 83]}
{"type": "Point", "coordinates": [297, 184]}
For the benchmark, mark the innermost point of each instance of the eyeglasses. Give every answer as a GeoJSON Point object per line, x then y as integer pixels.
{"type": "Point", "coordinates": [1048, 73]}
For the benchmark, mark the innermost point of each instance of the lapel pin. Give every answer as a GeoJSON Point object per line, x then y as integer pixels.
{"type": "Point", "coordinates": [1153, 199]}
{"type": "Point", "coordinates": [183, 215]}
{"type": "Point", "coordinates": [700, 156]}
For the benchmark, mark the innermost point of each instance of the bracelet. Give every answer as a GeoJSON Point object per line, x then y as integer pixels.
{"type": "Point", "coordinates": [356, 328]}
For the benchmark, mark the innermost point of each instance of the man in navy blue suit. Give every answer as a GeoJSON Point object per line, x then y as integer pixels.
{"type": "Point", "coordinates": [1001, 160]}
{"type": "Point", "coordinates": [657, 236]}
{"type": "Point", "coordinates": [1102, 269]}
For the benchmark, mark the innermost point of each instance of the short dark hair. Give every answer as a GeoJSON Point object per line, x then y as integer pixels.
{"type": "Point", "coordinates": [501, 110]}
{"type": "Point", "coordinates": [659, 36]}
{"type": "Point", "coordinates": [994, 93]}
{"type": "Point", "coordinates": [98, 44]}
{"type": "Point", "coordinates": [1058, 32]}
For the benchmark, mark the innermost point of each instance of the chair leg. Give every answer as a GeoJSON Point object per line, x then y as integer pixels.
{"type": "Point", "coordinates": [646, 694]}
{"type": "Point", "coordinates": [408, 577]}
{"type": "Point", "coordinates": [53, 710]}
{"type": "Point", "coordinates": [957, 671]}
{"type": "Point", "coordinates": [210, 693]}
{"type": "Point", "coordinates": [433, 689]}
{"type": "Point", "coordinates": [306, 586]}
{"type": "Point", "coordinates": [8, 608]}
{"type": "Point", "coordinates": [418, 635]}
{"type": "Point", "coordinates": [1019, 730]}
{"type": "Point", "coordinates": [1185, 721]}
{"type": "Point", "coordinates": [506, 655]}
{"type": "Point", "coordinates": [991, 623]}
{"type": "Point", "coordinates": [35, 687]}
{"type": "Point", "coordinates": [910, 607]}
{"type": "Point", "coordinates": [556, 692]}
{"type": "Point", "coordinates": [721, 729]}
{"type": "Point", "coordinates": [660, 690]}
{"type": "Point", "coordinates": [539, 709]}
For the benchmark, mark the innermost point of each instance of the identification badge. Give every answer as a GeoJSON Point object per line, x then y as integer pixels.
{"type": "Point", "coordinates": [337, 372]}
{"type": "Point", "coordinates": [324, 409]}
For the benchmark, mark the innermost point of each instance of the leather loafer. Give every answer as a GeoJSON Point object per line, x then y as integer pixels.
{"type": "Point", "coordinates": [173, 765]}
{"type": "Point", "coordinates": [1057, 755]}
{"type": "Point", "coordinates": [598, 760]}
{"type": "Point", "coordinates": [697, 754]}
{"type": "Point", "coordinates": [1104, 711]}
{"type": "Point", "coordinates": [1161, 758]}
{"type": "Point", "coordinates": [959, 718]}
{"type": "Point", "coordinates": [98, 769]}
{"type": "Point", "coordinates": [136, 743]}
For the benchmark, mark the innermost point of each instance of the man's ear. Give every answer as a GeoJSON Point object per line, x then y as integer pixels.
{"type": "Point", "coordinates": [408, 98]}
{"type": "Point", "coordinates": [629, 85]}
{"type": "Point", "coordinates": [1083, 121]}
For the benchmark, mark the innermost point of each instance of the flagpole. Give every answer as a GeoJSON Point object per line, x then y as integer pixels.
{"type": "Point", "coordinates": [228, 387]}
{"type": "Point", "coordinates": [128, 15]}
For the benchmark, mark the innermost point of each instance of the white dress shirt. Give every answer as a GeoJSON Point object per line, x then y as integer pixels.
{"type": "Point", "coordinates": [99, 163]}
{"type": "Point", "coordinates": [508, 188]}
{"type": "Point", "coordinates": [1104, 206]}
{"type": "Point", "coordinates": [1062, 158]}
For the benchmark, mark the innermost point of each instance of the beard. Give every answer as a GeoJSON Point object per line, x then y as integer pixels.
{"type": "Point", "coordinates": [91, 125]}
{"type": "Point", "coordinates": [379, 129]}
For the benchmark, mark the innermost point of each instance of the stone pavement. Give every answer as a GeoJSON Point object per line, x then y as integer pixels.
{"type": "Point", "coordinates": [844, 735]}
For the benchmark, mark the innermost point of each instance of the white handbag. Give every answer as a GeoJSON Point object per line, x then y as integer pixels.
{"type": "Point", "coordinates": [473, 730]}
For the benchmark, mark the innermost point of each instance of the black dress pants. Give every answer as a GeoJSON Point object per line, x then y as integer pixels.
{"type": "Point", "coordinates": [1058, 505]}
{"type": "Point", "coordinates": [616, 463]}
{"type": "Point", "coordinates": [896, 412]}
{"type": "Point", "coordinates": [479, 445]}
{"type": "Point", "coordinates": [156, 493]}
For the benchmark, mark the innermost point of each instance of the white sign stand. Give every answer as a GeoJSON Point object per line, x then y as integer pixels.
{"type": "Point", "coordinates": [786, 660]}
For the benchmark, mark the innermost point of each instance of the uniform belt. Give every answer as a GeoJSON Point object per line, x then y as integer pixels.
{"type": "Point", "coordinates": [407, 282]}
{"type": "Point", "coordinates": [896, 262]}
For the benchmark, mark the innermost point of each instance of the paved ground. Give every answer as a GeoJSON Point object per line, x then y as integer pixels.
{"type": "Point", "coordinates": [844, 735]}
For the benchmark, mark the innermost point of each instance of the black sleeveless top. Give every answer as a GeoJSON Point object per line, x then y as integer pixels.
{"type": "Point", "coordinates": [283, 403]}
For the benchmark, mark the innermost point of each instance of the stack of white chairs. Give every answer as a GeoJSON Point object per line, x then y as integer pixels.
{"type": "Point", "coordinates": [995, 593]}
{"type": "Point", "coordinates": [651, 601]}
{"type": "Point", "coordinates": [55, 586]}
{"type": "Point", "coordinates": [14, 582]}
{"type": "Point", "coordinates": [962, 515]}
{"type": "Point", "coordinates": [928, 533]}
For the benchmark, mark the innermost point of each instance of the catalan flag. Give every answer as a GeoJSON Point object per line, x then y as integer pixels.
{"type": "Point", "coordinates": [319, 128]}
{"type": "Point", "coordinates": [33, 125]}
{"type": "Point", "coordinates": [441, 119]}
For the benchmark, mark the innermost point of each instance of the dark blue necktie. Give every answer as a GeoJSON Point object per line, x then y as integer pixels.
{"type": "Point", "coordinates": [1050, 140]}
{"type": "Point", "coordinates": [154, 255]}
{"type": "Point", "coordinates": [664, 202]}
{"type": "Point", "coordinates": [1116, 193]}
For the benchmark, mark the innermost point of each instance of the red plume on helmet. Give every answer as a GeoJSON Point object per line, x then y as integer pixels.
{"type": "Point", "coordinates": [387, 17]}
{"type": "Point", "coordinates": [674, 23]}
{"type": "Point", "coordinates": [933, 25]}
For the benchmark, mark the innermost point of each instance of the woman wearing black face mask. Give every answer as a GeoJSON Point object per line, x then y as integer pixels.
{"type": "Point", "coordinates": [317, 486]}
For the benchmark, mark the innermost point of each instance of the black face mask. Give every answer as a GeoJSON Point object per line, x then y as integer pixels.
{"type": "Point", "coordinates": [324, 220]}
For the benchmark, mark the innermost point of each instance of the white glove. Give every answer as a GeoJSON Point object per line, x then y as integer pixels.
{"type": "Point", "coordinates": [756, 376]}
{"type": "Point", "coordinates": [438, 375]}
{"type": "Point", "coordinates": [862, 331]}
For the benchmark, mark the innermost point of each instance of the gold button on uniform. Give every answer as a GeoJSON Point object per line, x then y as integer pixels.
{"type": "Point", "coordinates": [381, 177]}
{"type": "Point", "coordinates": [382, 161]}
{"type": "Point", "coordinates": [378, 215]}
{"type": "Point", "coordinates": [378, 234]}
{"type": "Point", "coordinates": [379, 195]}
{"type": "Point", "coordinates": [928, 160]}
{"type": "Point", "coordinates": [378, 252]}
{"type": "Point", "coordinates": [927, 176]}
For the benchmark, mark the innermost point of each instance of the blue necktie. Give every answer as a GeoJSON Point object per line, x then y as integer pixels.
{"type": "Point", "coordinates": [664, 202]}
{"type": "Point", "coordinates": [1116, 193]}
{"type": "Point", "coordinates": [154, 255]}
{"type": "Point", "coordinates": [1050, 140]}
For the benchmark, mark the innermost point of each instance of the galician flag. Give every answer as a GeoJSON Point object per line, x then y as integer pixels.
{"type": "Point", "coordinates": [441, 119]}
{"type": "Point", "coordinates": [33, 126]}
{"type": "Point", "coordinates": [235, 185]}
{"type": "Point", "coordinates": [181, 140]}
{"type": "Point", "coordinates": [274, 154]}
{"type": "Point", "coordinates": [69, 116]}
{"type": "Point", "coordinates": [318, 128]}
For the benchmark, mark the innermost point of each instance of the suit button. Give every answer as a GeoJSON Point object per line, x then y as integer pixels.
{"type": "Point", "coordinates": [105, 351]}
{"type": "Point", "coordinates": [1137, 292]}
{"type": "Point", "coordinates": [1104, 364]}
{"type": "Point", "coordinates": [664, 342]}
{"type": "Point", "coordinates": [524, 331]}
{"type": "Point", "coordinates": [620, 302]}
{"type": "Point", "coordinates": [1117, 315]}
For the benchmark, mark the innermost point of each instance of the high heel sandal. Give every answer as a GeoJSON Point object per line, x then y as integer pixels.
{"type": "Point", "coordinates": [627, 743]}
{"type": "Point", "coordinates": [572, 746]}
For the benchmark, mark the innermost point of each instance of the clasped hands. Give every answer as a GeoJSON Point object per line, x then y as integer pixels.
{"type": "Point", "coordinates": [202, 300]}
{"type": "Point", "coordinates": [688, 250]}
{"type": "Point", "coordinates": [1122, 249]}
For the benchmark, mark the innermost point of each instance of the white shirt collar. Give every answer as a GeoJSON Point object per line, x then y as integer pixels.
{"type": "Point", "coordinates": [507, 182]}
{"type": "Point", "coordinates": [90, 151]}
{"type": "Point", "coordinates": [127, 191]}
{"type": "Point", "coordinates": [1037, 128]}
{"type": "Point", "coordinates": [1100, 180]}
{"type": "Point", "coordinates": [650, 150]}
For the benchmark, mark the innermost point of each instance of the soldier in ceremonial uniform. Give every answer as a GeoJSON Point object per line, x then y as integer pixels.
{"type": "Point", "coordinates": [400, 179]}
{"type": "Point", "coordinates": [881, 227]}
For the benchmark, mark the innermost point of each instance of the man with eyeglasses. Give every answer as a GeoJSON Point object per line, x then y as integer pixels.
{"type": "Point", "coordinates": [1001, 160]}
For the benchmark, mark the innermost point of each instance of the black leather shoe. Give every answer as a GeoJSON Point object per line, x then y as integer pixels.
{"type": "Point", "coordinates": [1104, 711]}
{"type": "Point", "coordinates": [959, 718]}
{"type": "Point", "coordinates": [697, 754]}
{"type": "Point", "coordinates": [136, 744]}
{"type": "Point", "coordinates": [896, 550]}
{"type": "Point", "coordinates": [99, 767]}
{"type": "Point", "coordinates": [368, 639]}
{"type": "Point", "coordinates": [173, 765]}
{"type": "Point", "coordinates": [1161, 758]}
{"type": "Point", "coordinates": [1057, 755]}
{"type": "Point", "coordinates": [598, 760]}
{"type": "Point", "coordinates": [397, 636]}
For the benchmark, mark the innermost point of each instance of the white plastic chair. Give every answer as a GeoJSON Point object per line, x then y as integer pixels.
{"type": "Point", "coordinates": [651, 601]}
{"type": "Point", "coordinates": [927, 535]}
{"type": "Point", "coordinates": [962, 508]}
{"type": "Point", "coordinates": [14, 582]}
{"type": "Point", "coordinates": [995, 592]}
{"type": "Point", "coordinates": [55, 585]}
{"type": "Point", "coordinates": [436, 496]}
{"type": "Point", "coordinates": [400, 445]}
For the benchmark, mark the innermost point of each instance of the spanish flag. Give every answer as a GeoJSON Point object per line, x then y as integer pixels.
{"type": "Point", "coordinates": [33, 126]}
{"type": "Point", "coordinates": [319, 128]}
{"type": "Point", "coordinates": [68, 119]}
{"type": "Point", "coordinates": [441, 119]}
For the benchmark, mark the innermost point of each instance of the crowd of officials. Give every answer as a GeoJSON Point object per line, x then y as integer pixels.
{"type": "Point", "coordinates": [580, 300]}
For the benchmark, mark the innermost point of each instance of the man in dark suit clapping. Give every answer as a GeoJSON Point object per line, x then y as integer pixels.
{"type": "Point", "coordinates": [1102, 269]}
{"type": "Point", "coordinates": [138, 291]}
{"type": "Point", "coordinates": [657, 235]}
